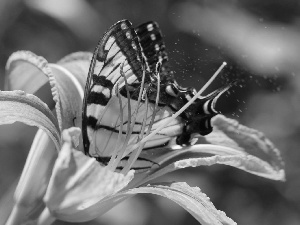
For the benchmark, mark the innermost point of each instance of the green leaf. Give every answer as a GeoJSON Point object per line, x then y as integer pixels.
{"type": "Point", "coordinates": [17, 106]}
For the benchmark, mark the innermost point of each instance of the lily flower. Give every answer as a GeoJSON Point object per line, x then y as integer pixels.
{"type": "Point", "coordinates": [73, 187]}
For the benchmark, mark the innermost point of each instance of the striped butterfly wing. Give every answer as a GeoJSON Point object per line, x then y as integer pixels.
{"type": "Point", "coordinates": [122, 46]}
{"type": "Point", "coordinates": [119, 47]}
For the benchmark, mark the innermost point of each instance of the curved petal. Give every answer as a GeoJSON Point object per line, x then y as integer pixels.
{"type": "Point", "coordinates": [194, 157]}
{"type": "Point", "coordinates": [79, 182]}
{"type": "Point", "coordinates": [228, 132]}
{"type": "Point", "coordinates": [24, 70]}
{"type": "Point", "coordinates": [28, 72]}
{"type": "Point", "coordinates": [231, 143]}
{"type": "Point", "coordinates": [78, 64]}
{"type": "Point", "coordinates": [191, 199]}
{"type": "Point", "coordinates": [71, 95]}
{"type": "Point", "coordinates": [17, 106]}
{"type": "Point", "coordinates": [32, 184]}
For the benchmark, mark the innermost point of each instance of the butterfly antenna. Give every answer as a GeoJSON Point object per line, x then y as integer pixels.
{"type": "Point", "coordinates": [186, 105]}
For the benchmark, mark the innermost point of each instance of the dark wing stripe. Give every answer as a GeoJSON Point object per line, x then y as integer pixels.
{"type": "Point", "coordinates": [97, 98]}
{"type": "Point", "coordinates": [91, 122]}
{"type": "Point", "coordinates": [100, 126]}
{"type": "Point", "coordinates": [103, 81]}
{"type": "Point", "coordinates": [105, 159]}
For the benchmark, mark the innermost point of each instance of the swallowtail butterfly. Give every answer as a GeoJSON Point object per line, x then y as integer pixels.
{"type": "Point", "coordinates": [125, 61]}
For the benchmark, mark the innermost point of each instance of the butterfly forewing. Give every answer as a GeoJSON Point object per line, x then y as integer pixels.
{"type": "Point", "coordinates": [137, 52]}
{"type": "Point", "coordinates": [118, 48]}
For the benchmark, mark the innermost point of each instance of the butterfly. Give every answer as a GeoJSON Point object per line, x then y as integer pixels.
{"type": "Point", "coordinates": [129, 63]}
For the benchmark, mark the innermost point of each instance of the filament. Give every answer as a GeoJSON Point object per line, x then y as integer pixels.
{"type": "Point", "coordinates": [133, 157]}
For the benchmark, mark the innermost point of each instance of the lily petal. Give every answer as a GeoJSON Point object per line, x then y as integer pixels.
{"type": "Point", "coordinates": [79, 182]}
{"type": "Point", "coordinates": [66, 88]}
{"type": "Point", "coordinates": [228, 132]}
{"type": "Point", "coordinates": [29, 109]}
{"type": "Point", "coordinates": [28, 72]}
{"type": "Point", "coordinates": [191, 199]}
{"type": "Point", "coordinates": [188, 158]}
{"type": "Point", "coordinates": [230, 144]}
{"type": "Point", "coordinates": [24, 70]}
{"type": "Point", "coordinates": [32, 184]}
{"type": "Point", "coordinates": [71, 95]}
{"type": "Point", "coordinates": [78, 64]}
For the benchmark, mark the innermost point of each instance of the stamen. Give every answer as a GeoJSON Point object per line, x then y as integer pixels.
{"type": "Point", "coordinates": [121, 150]}
{"type": "Point", "coordinates": [114, 155]}
{"type": "Point", "coordinates": [186, 105]}
{"type": "Point", "coordinates": [158, 66]}
{"type": "Point", "coordinates": [134, 115]}
{"type": "Point", "coordinates": [134, 155]}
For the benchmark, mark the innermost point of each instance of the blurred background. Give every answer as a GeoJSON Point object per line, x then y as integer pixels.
{"type": "Point", "coordinates": [260, 41]}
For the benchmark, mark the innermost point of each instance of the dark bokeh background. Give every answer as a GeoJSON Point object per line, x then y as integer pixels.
{"type": "Point", "coordinates": [260, 40]}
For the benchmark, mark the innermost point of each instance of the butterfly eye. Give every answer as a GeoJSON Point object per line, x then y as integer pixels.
{"type": "Point", "coordinates": [171, 91]}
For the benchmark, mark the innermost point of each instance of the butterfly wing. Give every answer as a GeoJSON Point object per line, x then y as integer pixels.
{"type": "Point", "coordinates": [119, 47]}
{"type": "Point", "coordinates": [153, 47]}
